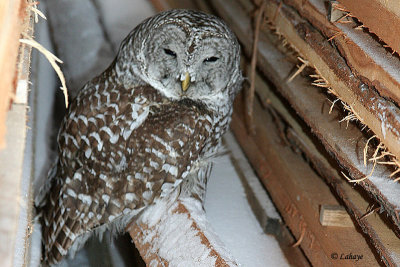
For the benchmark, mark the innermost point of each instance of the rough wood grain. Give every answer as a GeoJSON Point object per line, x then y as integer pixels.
{"type": "Point", "coordinates": [346, 149]}
{"type": "Point", "coordinates": [334, 216]}
{"type": "Point", "coordinates": [151, 239]}
{"type": "Point", "coordinates": [12, 14]}
{"type": "Point", "coordinates": [363, 64]}
{"type": "Point", "coordinates": [379, 16]}
{"type": "Point", "coordinates": [297, 196]}
{"type": "Point", "coordinates": [354, 199]}
{"type": "Point", "coordinates": [380, 116]}
{"type": "Point", "coordinates": [374, 110]}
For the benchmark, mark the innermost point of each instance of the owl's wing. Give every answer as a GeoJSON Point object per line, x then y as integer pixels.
{"type": "Point", "coordinates": [92, 142]}
{"type": "Point", "coordinates": [116, 159]}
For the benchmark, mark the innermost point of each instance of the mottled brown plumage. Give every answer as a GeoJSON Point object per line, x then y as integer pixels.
{"type": "Point", "coordinates": [125, 142]}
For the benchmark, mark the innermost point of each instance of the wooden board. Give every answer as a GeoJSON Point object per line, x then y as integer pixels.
{"type": "Point", "coordinates": [334, 69]}
{"type": "Point", "coordinates": [353, 199]}
{"type": "Point", "coordinates": [301, 96]}
{"type": "Point", "coordinates": [363, 63]}
{"type": "Point", "coordinates": [298, 192]}
{"type": "Point", "coordinates": [12, 15]}
{"type": "Point", "coordinates": [374, 111]}
{"type": "Point", "coordinates": [150, 239]}
{"type": "Point", "coordinates": [379, 16]}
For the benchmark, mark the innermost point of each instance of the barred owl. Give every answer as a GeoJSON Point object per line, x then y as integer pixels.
{"type": "Point", "coordinates": [153, 119]}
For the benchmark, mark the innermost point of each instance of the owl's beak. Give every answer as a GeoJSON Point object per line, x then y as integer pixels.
{"type": "Point", "coordinates": [186, 82]}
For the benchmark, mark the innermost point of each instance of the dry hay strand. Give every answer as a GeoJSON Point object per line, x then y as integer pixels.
{"type": "Point", "coordinates": [339, 33]}
{"type": "Point", "coordinates": [320, 81]}
{"type": "Point", "coordinates": [344, 10]}
{"type": "Point", "coordinates": [303, 228]}
{"type": "Point", "coordinates": [352, 116]}
{"type": "Point", "coordinates": [380, 152]}
{"type": "Point", "coordinates": [53, 62]}
{"type": "Point", "coordinates": [369, 211]}
{"type": "Point", "coordinates": [259, 17]}
{"type": "Point", "coordinates": [282, 38]}
{"type": "Point", "coordinates": [287, 45]}
{"type": "Point", "coordinates": [359, 27]}
{"type": "Point", "coordinates": [365, 152]}
{"type": "Point", "coordinates": [332, 104]}
{"type": "Point", "coordinates": [33, 7]}
{"type": "Point", "coordinates": [340, 7]}
{"type": "Point", "coordinates": [382, 156]}
{"type": "Point", "coordinates": [300, 68]}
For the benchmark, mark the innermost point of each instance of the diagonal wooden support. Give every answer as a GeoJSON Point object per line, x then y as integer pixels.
{"type": "Point", "coordinates": [172, 233]}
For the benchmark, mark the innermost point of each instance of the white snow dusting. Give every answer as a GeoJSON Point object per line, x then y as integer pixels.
{"type": "Point", "coordinates": [234, 222]}
{"type": "Point", "coordinates": [374, 50]}
{"type": "Point", "coordinates": [173, 236]}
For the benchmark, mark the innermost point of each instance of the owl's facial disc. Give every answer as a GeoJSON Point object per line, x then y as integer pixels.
{"type": "Point", "coordinates": [183, 62]}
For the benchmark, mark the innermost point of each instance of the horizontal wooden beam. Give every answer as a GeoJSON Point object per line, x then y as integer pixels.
{"type": "Point", "coordinates": [357, 205]}
{"type": "Point", "coordinates": [366, 99]}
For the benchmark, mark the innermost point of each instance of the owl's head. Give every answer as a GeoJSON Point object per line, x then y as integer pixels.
{"type": "Point", "coordinates": [184, 54]}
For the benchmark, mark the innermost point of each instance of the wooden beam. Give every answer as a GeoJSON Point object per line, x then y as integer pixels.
{"type": "Point", "coordinates": [178, 235]}
{"type": "Point", "coordinates": [363, 98]}
{"type": "Point", "coordinates": [380, 116]}
{"type": "Point", "coordinates": [12, 15]}
{"type": "Point", "coordinates": [344, 144]}
{"type": "Point", "coordinates": [367, 58]}
{"type": "Point", "coordinates": [378, 16]}
{"type": "Point", "coordinates": [357, 205]}
{"type": "Point", "coordinates": [296, 191]}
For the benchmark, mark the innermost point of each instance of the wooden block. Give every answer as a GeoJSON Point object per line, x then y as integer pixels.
{"type": "Point", "coordinates": [334, 216]}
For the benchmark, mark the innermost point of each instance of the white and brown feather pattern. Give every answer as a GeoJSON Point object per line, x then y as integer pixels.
{"type": "Point", "coordinates": [132, 134]}
{"type": "Point", "coordinates": [103, 174]}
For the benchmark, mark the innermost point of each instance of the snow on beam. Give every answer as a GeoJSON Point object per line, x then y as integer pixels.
{"type": "Point", "coordinates": [176, 233]}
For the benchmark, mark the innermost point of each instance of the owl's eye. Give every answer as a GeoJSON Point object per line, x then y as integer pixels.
{"type": "Point", "coordinates": [211, 59]}
{"type": "Point", "coordinates": [169, 52]}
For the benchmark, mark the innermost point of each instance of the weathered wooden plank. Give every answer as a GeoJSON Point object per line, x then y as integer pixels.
{"type": "Point", "coordinates": [356, 204]}
{"type": "Point", "coordinates": [346, 149]}
{"type": "Point", "coordinates": [268, 60]}
{"type": "Point", "coordinates": [367, 58]}
{"type": "Point", "coordinates": [297, 192]}
{"type": "Point", "coordinates": [178, 235]}
{"type": "Point", "coordinates": [12, 15]}
{"type": "Point", "coordinates": [378, 16]}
